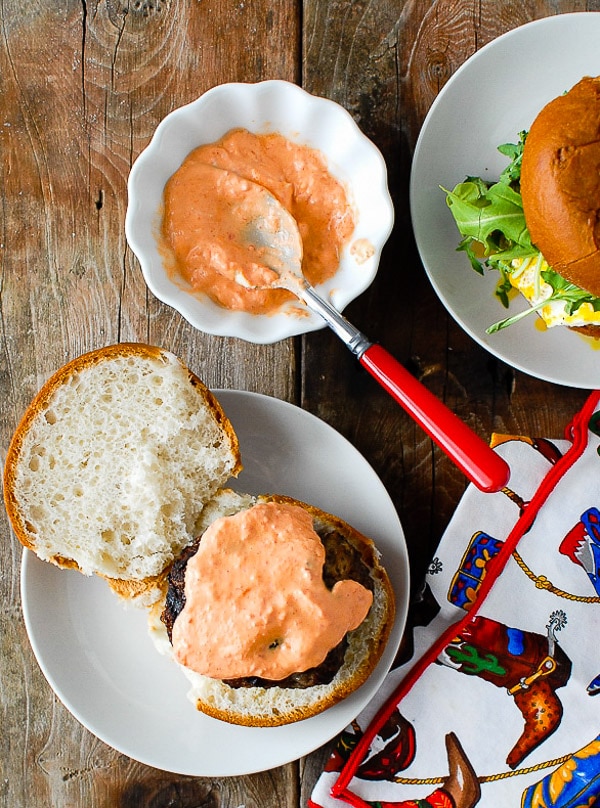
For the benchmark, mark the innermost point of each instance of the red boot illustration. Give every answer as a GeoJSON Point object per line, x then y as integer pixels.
{"type": "Point", "coordinates": [392, 750]}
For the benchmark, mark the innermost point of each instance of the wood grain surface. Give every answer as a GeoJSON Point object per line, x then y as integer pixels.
{"type": "Point", "coordinates": [83, 84]}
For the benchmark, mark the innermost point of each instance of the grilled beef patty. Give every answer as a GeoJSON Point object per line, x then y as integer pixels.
{"type": "Point", "coordinates": [342, 561]}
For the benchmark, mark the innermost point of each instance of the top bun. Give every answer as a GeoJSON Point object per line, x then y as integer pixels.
{"type": "Point", "coordinates": [560, 184]}
{"type": "Point", "coordinates": [113, 462]}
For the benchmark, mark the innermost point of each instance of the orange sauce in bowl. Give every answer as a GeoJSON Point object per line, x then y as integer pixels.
{"type": "Point", "coordinates": [203, 250]}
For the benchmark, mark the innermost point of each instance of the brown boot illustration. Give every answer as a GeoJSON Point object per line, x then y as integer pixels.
{"type": "Point", "coordinates": [459, 790]}
{"type": "Point", "coordinates": [462, 784]}
{"type": "Point", "coordinates": [530, 666]}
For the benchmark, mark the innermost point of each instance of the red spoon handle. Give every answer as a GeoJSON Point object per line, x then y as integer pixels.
{"type": "Point", "coordinates": [486, 469]}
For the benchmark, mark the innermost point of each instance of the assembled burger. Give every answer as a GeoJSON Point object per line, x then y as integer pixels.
{"type": "Point", "coordinates": [539, 225]}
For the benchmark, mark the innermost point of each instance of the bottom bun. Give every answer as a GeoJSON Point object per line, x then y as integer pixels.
{"type": "Point", "coordinates": [587, 330]}
{"type": "Point", "coordinates": [274, 705]}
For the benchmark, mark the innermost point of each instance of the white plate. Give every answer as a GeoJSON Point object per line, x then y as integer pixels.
{"type": "Point", "coordinates": [101, 663]}
{"type": "Point", "coordinates": [267, 106]}
{"type": "Point", "coordinates": [492, 97]}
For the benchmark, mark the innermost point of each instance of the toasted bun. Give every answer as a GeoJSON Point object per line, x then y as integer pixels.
{"type": "Point", "coordinates": [274, 706]}
{"type": "Point", "coordinates": [113, 462]}
{"type": "Point", "coordinates": [589, 330]}
{"type": "Point", "coordinates": [560, 185]}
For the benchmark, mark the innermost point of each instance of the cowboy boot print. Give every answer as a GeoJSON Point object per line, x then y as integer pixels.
{"type": "Point", "coordinates": [531, 667]}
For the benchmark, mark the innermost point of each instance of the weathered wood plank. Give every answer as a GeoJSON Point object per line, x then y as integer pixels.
{"type": "Point", "coordinates": [83, 87]}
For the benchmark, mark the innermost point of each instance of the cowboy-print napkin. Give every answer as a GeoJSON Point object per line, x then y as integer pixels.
{"type": "Point", "coordinates": [495, 698]}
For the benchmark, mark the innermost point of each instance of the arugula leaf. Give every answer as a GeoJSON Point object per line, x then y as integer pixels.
{"type": "Point", "coordinates": [504, 287]}
{"type": "Point", "coordinates": [573, 295]}
{"type": "Point", "coordinates": [492, 216]}
{"type": "Point", "coordinates": [562, 290]}
{"type": "Point", "coordinates": [514, 151]}
{"type": "Point", "coordinates": [514, 319]}
{"type": "Point", "coordinates": [491, 221]}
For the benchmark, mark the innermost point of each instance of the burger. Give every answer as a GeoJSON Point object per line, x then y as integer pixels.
{"type": "Point", "coordinates": [119, 468]}
{"type": "Point", "coordinates": [275, 612]}
{"type": "Point", "coordinates": [539, 224]}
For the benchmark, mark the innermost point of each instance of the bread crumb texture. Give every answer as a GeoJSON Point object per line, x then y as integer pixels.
{"type": "Point", "coordinates": [114, 470]}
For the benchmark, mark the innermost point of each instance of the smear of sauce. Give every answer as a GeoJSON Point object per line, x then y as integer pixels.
{"type": "Point", "coordinates": [256, 603]}
{"type": "Point", "coordinates": [209, 253]}
{"type": "Point", "coordinates": [362, 250]}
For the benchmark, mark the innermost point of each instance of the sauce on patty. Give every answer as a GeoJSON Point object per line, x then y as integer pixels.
{"type": "Point", "coordinates": [256, 603]}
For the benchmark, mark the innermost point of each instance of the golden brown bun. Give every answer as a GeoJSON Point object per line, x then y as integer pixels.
{"type": "Point", "coordinates": [560, 184]}
{"type": "Point", "coordinates": [275, 706]}
{"type": "Point", "coordinates": [112, 463]}
{"type": "Point", "coordinates": [587, 330]}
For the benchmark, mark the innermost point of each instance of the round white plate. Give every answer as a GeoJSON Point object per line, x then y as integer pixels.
{"type": "Point", "coordinates": [101, 663]}
{"type": "Point", "coordinates": [491, 98]}
{"type": "Point", "coordinates": [263, 107]}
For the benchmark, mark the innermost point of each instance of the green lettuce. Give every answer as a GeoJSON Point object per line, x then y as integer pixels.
{"type": "Point", "coordinates": [491, 221]}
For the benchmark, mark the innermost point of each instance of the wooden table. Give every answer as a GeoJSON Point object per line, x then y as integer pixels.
{"type": "Point", "coordinates": [83, 85]}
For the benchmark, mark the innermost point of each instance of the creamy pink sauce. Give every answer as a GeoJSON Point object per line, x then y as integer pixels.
{"type": "Point", "coordinates": [196, 229]}
{"type": "Point", "coordinates": [256, 603]}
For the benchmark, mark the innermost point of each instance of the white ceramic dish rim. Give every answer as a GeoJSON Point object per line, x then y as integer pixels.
{"type": "Point", "coordinates": [272, 105]}
{"type": "Point", "coordinates": [508, 81]}
{"type": "Point", "coordinates": [102, 665]}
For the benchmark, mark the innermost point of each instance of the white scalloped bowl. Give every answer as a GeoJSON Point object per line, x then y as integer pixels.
{"type": "Point", "coordinates": [268, 106]}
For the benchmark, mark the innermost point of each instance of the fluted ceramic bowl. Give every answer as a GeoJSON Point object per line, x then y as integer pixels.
{"type": "Point", "coordinates": [268, 106]}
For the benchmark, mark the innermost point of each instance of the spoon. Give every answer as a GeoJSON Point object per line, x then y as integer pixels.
{"type": "Point", "coordinates": [273, 236]}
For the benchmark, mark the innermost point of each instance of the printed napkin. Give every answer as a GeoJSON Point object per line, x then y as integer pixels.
{"type": "Point", "coordinates": [494, 700]}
